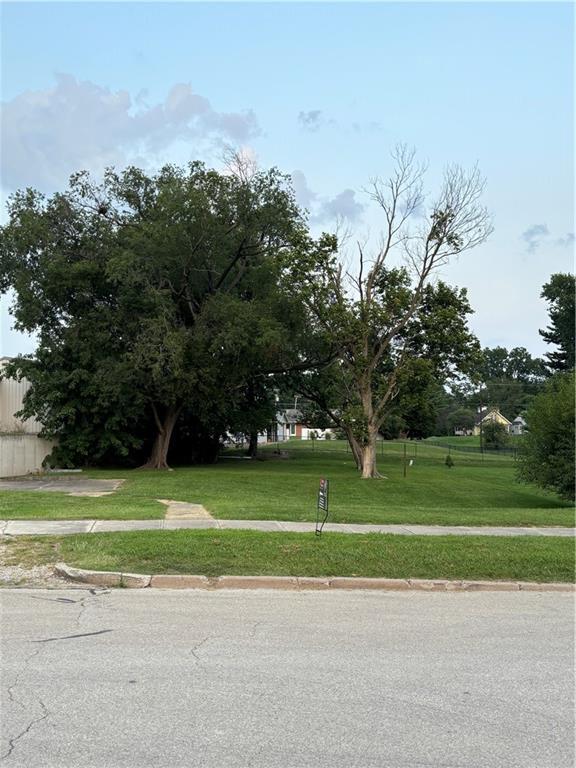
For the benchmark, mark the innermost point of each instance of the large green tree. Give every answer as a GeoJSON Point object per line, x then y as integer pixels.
{"type": "Point", "coordinates": [439, 347]}
{"type": "Point", "coordinates": [460, 419]}
{"type": "Point", "coordinates": [378, 316]}
{"type": "Point", "coordinates": [559, 292]}
{"type": "Point", "coordinates": [516, 363]}
{"type": "Point", "coordinates": [547, 450]}
{"type": "Point", "coordinates": [156, 298]}
{"type": "Point", "coordinates": [506, 379]}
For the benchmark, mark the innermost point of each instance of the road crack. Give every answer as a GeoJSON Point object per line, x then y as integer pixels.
{"type": "Point", "coordinates": [84, 603]}
{"type": "Point", "coordinates": [15, 739]}
{"type": "Point", "coordinates": [15, 700]}
{"type": "Point", "coordinates": [72, 637]}
{"type": "Point", "coordinates": [254, 628]}
{"type": "Point", "coordinates": [194, 649]}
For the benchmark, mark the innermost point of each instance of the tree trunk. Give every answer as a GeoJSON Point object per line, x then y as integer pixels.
{"type": "Point", "coordinates": [368, 466]}
{"type": "Point", "coordinates": [253, 445]}
{"type": "Point", "coordinates": [355, 447]}
{"type": "Point", "coordinates": [159, 455]}
{"type": "Point", "coordinates": [369, 455]}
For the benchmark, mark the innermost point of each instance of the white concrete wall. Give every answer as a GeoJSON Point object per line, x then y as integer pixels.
{"type": "Point", "coordinates": [21, 454]}
{"type": "Point", "coordinates": [11, 396]}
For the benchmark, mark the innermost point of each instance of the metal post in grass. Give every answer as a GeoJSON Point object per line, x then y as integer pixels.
{"type": "Point", "coordinates": [404, 459]}
{"type": "Point", "coordinates": [481, 424]}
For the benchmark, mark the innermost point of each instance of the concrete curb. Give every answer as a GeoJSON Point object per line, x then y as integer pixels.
{"type": "Point", "coordinates": [296, 583]}
{"type": "Point", "coordinates": [102, 578]}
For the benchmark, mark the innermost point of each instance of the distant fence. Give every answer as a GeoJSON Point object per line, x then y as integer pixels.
{"type": "Point", "coordinates": [471, 448]}
{"type": "Point", "coordinates": [336, 445]}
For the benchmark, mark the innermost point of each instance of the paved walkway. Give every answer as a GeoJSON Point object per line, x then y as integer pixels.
{"type": "Point", "coordinates": [60, 527]}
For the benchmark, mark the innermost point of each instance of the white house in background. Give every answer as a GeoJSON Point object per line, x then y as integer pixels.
{"type": "Point", "coordinates": [518, 426]}
{"type": "Point", "coordinates": [290, 424]}
{"type": "Point", "coordinates": [21, 450]}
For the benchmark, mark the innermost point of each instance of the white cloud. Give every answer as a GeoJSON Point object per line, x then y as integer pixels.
{"type": "Point", "coordinates": [539, 234]}
{"type": "Point", "coordinates": [305, 197]}
{"type": "Point", "coordinates": [310, 120]}
{"type": "Point", "coordinates": [534, 235]}
{"type": "Point", "coordinates": [46, 135]}
{"type": "Point", "coordinates": [342, 206]}
{"type": "Point", "coordinates": [566, 242]}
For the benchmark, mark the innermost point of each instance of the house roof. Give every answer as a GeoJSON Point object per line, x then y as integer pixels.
{"type": "Point", "coordinates": [519, 420]}
{"type": "Point", "coordinates": [292, 415]}
{"type": "Point", "coordinates": [486, 414]}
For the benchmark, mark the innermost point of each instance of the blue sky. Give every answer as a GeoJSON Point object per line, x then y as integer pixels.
{"type": "Point", "coordinates": [323, 91]}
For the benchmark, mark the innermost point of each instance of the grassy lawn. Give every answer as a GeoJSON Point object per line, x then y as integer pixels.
{"type": "Point", "coordinates": [473, 492]}
{"type": "Point", "coordinates": [15, 505]}
{"type": "Point", "coordinates": [468, 441]}
{"type": "Point", "coordinates": [253, 553]}
{"type": "Point", "coordinates": [472, 441]}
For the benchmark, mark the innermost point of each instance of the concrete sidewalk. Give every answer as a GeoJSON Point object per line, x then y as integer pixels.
{"type": "Point", "coordinates": [62, 527]}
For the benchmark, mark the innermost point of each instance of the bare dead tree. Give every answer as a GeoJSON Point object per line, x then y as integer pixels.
{"type": "Point", "coordinates": [239, 163]}
{"type": "Point", "coordinates": [372, 306]}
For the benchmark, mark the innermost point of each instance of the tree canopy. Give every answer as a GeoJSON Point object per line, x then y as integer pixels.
{"type": "Point", "coordinates": [379, 316]}
{"type": "Point", "coordinates": [155, 298]}
{"type": "Point", "coordinates": [547, 450]}
{"type": "Point", "coordinates": [559, 292]}
{"type": "Point", "coordinates": [167, 304]}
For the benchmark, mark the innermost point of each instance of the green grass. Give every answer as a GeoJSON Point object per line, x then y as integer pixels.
{"type": "Point", "coordinates": [59, 506]}
{"type": "Point", "coordinates": [253, 553]}
{"type": "Point", "coordinates": [468, 441]}
{"type": "Point", "coordinates": [474, 492]}
{"type": "Point", "coordinates": [472, 441]}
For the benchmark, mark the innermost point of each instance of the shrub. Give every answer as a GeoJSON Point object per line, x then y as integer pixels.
{"type": "Point", "coordinates": [495, 435]}
{"type": "Point", "coordinates": [547, 449]}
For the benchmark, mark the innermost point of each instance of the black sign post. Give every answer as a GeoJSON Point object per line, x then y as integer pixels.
{"type": "Point", "coordinates": [322, 506]}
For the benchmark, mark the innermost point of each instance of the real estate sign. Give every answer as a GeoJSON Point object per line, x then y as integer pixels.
{"type": "Point", "coordinates": [322, 505]}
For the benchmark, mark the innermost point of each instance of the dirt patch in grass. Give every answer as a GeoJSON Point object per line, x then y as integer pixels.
{"type": "Point", "coordinates": [29, 563]}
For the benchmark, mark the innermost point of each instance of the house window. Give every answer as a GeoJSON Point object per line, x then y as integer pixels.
{"type": "Point", "coordinates": [292, 429]}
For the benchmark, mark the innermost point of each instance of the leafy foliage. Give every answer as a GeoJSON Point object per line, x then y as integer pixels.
{"type": "Point", "coordinates": [547, 452]}
{"type": "Point", "coordinates": [510, 379]}
{"type": "Point", "coordinates": [379, 317]}
{"type": "Point", "coordinates": [156, 299]}
{"type": "Point", "coordinates": [517, 364]}
{"type": "Point", "coordinates": [495, 435]}
{"type": "Point", "coordinates": [559, 293]}
{"type": "Point", "coordinates": [462, 419]}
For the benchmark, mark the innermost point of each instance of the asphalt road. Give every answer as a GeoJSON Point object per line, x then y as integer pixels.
{"type": "Point", "coordinates": [135, 679]}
